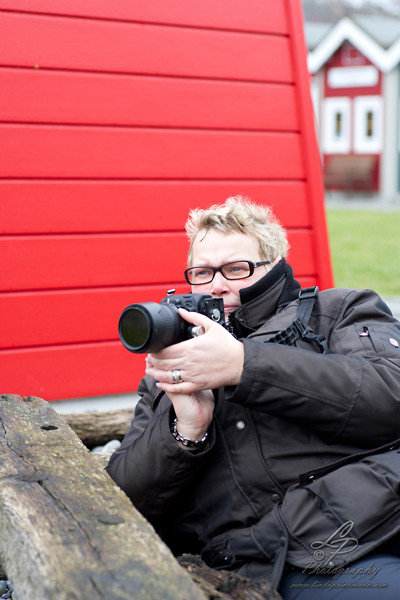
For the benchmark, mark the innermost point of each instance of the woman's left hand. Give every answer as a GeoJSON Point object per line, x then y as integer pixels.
{"type": "Point", "coordinates": [212, 360]}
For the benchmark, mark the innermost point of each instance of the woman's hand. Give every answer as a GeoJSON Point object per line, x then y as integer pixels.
{"type": "Point", "coordinates": [194, 413]}
{"type": "Point", "coordinates": [212, 360]}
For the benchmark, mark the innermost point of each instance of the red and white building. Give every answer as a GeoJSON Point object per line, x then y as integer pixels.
{"type": "Point", "coordinates": [355, 86]}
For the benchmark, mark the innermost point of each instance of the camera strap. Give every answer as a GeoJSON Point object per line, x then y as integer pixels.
{"type": "Point", "coordinates": [299, 328]}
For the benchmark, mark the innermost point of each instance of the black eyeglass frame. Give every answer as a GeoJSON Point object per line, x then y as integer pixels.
{"type": "Point", "coordinates": [252, 266]}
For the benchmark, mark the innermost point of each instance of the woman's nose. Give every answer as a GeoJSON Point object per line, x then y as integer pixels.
{"type": "Point", "coordinates": [219, 285]}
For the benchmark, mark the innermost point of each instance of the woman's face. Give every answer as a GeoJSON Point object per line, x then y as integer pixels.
{"type": "Point", "coordinates": [213, 248]}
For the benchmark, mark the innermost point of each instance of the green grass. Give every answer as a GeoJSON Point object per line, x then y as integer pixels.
{"type": "Point", "coordinates": [365, 249]}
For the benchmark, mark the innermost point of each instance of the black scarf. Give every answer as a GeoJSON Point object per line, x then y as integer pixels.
{"type": "Point", "coordinates": [290, 291]}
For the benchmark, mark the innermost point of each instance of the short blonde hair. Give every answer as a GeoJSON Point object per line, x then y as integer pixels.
{"type": "Point", "coordinates": [239, 215]}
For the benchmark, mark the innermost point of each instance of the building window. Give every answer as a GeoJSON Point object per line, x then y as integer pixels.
{"type": "Point", "coordinates": [338, 125]}
{"type": "Point", "coordinates": [368, 124]}
{"type": "Point", "coordinates": [336, 138]}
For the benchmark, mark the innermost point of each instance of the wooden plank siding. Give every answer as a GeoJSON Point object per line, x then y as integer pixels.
{"type": "Point", "coordinates": [68, 206]}
{"type": "Point", "coordinates": [117, 119]}
{"type": "Point", "coordinates": [51, 97]}
{"type": "Point", "coordinates": [104, 153]}
{"type": "Point", "coordinates": [260, 16]}
{"type": "Point", "coordinates": [116, 47]}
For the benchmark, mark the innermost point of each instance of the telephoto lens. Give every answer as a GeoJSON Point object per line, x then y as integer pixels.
{"type": "Point", "coordinates": [150, 327]}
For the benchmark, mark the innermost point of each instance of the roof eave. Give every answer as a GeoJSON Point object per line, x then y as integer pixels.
{"type": "Point", "coordinates": [346, 29]}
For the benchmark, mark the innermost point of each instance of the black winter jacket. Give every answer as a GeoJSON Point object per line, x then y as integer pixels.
{"type": "Point", "coordinates": [294, 411]}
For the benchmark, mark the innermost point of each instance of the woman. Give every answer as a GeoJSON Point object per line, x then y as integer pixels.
{"type": "Point", "coordinates": [227, 423]}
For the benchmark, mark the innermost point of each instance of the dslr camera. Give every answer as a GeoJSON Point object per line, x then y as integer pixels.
{"type": "Point", "coordinates": [150, 327]}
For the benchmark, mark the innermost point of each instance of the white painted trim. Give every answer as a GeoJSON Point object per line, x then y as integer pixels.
{"type": "Point", "coordinates": [316, 99]}
{"type": "Point", "coordinates": [363, 144]}
{"type": "Point", "coordinates": [393, 55]}
{"type": "Point", "coordinates": [346, 29]}
{"type": "Point", "coordinates": [332, 144]}
{"type": "Point", "coordinates": [353, 77]}
{"type": "Point", "coordinates": [390, 154]}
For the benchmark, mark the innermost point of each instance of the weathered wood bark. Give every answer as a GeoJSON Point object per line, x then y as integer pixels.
{"type": "Point", "coordinates": [66, 530]}
{"type": "Point", "coordinates": [224, 585]}
{"type": "Point", "coordinates": [97, 428]}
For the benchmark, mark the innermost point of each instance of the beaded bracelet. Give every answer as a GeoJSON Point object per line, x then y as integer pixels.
{"type": "Point", "coordinates": [187, 442]}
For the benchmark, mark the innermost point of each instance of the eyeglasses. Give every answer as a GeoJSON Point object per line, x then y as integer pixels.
{"type": "Point", "coordinates": [240, 269]}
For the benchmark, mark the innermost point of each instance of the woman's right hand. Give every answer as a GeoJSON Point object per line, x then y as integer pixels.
{"type": "Point", "coordinates": [194, 413]}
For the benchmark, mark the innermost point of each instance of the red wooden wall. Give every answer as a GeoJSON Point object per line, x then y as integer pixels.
{"type": "Point", "coordinates": [117, 117]}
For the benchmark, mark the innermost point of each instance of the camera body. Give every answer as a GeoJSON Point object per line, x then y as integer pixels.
{"type": "Point", "coordinates": [150, 327]}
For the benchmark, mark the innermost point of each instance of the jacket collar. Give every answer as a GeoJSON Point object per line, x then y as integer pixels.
{"type": "Point", "coordinates": [260, 300]}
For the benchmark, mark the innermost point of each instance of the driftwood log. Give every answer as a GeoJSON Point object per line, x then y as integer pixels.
{"type": "Point", "coordinates": [97, 428]}
{"type": "Point", "coordinates": [67, 532]}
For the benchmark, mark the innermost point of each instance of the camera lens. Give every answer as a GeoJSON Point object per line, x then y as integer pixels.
{"type": "Point", "coordinates": [149, 327]}
{"type": "Point", "coordinates": [134, 327]}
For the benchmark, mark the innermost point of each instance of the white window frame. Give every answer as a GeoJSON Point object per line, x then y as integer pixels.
{"type": "Point", "coordinates": [331, 142]}
{"type": "Point", "coordinates": [363, 143]}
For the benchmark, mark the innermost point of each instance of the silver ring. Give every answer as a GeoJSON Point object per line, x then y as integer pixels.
{"type": "Point", "coordinates": [176, 376]}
